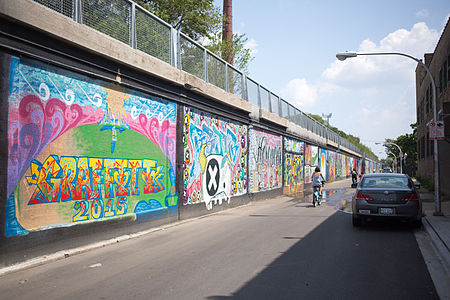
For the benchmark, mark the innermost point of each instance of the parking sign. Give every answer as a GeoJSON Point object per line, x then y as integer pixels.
{"type": "Point", "coordinates": [436, 130]}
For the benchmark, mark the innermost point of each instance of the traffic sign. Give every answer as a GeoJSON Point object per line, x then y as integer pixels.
{"type": "Point", "coordinates": [436, 130]}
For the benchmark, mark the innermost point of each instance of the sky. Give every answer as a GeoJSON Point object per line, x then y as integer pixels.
{"type": "Point", "coordinates": [294, 45]}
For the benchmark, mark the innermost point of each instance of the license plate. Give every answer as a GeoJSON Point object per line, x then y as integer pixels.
{"type": "Point", "coordinates": [364, 211]}
{"type": "Point", "coordinates": [386, 211]}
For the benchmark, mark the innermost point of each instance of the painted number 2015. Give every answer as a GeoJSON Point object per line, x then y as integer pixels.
{"type": "Point", "coordinates": [95, 209]}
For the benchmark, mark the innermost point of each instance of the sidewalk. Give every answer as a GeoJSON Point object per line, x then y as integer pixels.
{"type": "Point", "coordinates": [439, 224]}
{"type": "Point", "coordinates": [438, 230]}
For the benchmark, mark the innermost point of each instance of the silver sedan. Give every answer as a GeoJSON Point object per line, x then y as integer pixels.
{"type": "Point", "coordinates": [386, 195]}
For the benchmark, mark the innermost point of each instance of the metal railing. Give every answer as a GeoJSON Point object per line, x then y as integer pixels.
{"type": "Point", "coordinates": [131, 24]}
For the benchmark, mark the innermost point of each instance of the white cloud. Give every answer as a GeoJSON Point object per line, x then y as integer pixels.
{"type": "Point", "coordinates": [423, 13]}
{"type": "Point", "coordinates": [252, 45]}
{"type": "Point", "coordinates": [371, 70]}
{"type": "Point", "coordinates": [300, 93]}
{"type": "Point", "coordinates": [372, 97]}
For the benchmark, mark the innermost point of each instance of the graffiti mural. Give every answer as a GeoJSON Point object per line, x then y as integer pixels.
{"type": "Point", "coordinates": [314, 156]}
{"type": "Point", "coordinates": [338, 164]}
{"type": "Point", "coordinates": [294, 146]}
{"type": "Point", "coordinates": [293, 167]}
{"type": "Point", "coordinates": [323, 162]}
{"type": "Point", "coordinates": [84, 150]}
{"type": "Point", "coordinates": [307, 154]}
{"type": "Point", "coordinates": [215, 159]}
{"type": "Point", "coordinates": [331, 165]}
{"type": "Point", "coordinates": [265, 161]}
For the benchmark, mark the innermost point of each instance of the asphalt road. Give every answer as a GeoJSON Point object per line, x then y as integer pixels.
{"type": "Point", "coordinates": [280, 248]}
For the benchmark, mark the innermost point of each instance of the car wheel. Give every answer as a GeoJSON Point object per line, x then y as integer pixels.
{"type": "Point", "coordinates": [356, 221]}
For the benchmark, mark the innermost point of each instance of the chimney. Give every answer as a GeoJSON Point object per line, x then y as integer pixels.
{"type": "Point", "coordinates": [227, 29]}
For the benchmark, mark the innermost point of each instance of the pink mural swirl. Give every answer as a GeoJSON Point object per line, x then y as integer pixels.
{"type": "Point", "coordinates": [162, 134]}
{"type": "Point", "coordinates": [37, 126]}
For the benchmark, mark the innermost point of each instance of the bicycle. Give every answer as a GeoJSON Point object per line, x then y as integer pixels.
{"type": "Point", "coordinates": [317, 197]}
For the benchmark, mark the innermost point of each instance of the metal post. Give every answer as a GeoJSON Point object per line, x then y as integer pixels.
{"type": "Point", "coordinates": [133, 43]}
{"type": "Point", "coordinates": [227, 87]}
{"type": "Point", "coordinates": [77, 11]}
{"type": "Point", "coordinates": [205, 65]}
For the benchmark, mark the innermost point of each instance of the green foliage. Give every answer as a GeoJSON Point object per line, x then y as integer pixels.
{"type": "Point", "coordinates": [202, 22]}
{"type": "Point", "coordinates": [195, 18]}
{"type": "Point", "coordinates": [241, 55]}
{"type": "Point", "coordinates": [110, 17]}
{"type": "Point", "coordinates": [408, 144]}
{"type": "Point", "coordinates": [352, 139]}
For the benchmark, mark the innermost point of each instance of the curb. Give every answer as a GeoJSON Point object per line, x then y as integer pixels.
{"type": "Point", "coordinates": [437, 258]}
{"type": "Point", "coordinates": [438, 243]}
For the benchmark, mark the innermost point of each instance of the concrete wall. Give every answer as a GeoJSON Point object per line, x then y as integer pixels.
{"type": "Point", "coordinates": [100, 139]}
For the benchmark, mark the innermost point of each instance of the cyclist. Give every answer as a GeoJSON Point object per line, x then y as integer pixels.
{"type": "Point", "coordinates": [355, 176]}
{"type": "Point", "coordinates": [317, 180]}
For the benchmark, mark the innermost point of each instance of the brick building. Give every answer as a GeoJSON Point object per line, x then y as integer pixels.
{"type": "Point", "coordinates": [439, 64]}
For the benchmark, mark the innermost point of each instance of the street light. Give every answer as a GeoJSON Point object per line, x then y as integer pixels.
{"type": "Point", "coordinates": [400, 153]}
{"type": "Point", "coordinates": [394, 162]}
{"type": "Point", "coordinates": [348, 54]}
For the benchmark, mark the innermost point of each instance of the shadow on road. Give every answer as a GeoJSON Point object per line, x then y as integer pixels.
{"type": "Point", "coordinates": [337, 261]}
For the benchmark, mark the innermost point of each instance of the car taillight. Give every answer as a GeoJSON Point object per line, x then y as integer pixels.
{"type": "Point", "coordinates": [412, 197]}
{"type": "Point", "coordinates": [361, 196]}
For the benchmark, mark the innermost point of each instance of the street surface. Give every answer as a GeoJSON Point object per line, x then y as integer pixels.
{"type": "Point", "coordinates": [280, 248]}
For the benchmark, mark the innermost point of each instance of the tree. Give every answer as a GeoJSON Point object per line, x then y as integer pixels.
{"type": "Point", "coordinates": [195, 18]}
{"type": "Point", "coordinates": [202, 22]}
{"type": "Point", "coordinates": [408, 144]}
{"type": "Point", "coordinates": [241, 55]}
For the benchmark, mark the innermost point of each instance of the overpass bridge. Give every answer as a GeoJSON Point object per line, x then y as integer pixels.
{"type": "Point", "coordinates": [112, 118]}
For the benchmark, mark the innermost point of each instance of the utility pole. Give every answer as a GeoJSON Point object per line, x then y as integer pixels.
{"type": "Point", "coordinates": [227, 30]}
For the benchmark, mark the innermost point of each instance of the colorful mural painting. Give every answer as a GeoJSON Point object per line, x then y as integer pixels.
{"type": "Point", "coordinates": [215, 159]}
{"type": "Point", "coordinates": [293, 167]}
{"type": "Point", "coordinates": [265, 161]}
{"type": "Point", "coordinates": [314, 156]}
{"type": "Point", "coordinates": [307, 154]}
{"type": "Point", "coordinates": [338, 165]}
{"type": "Point", "coordinates": [84, 150]}
{"type": "Point", "coordinates": [331, 165]}
{"type": "Point", "coordinates": [323, 162]}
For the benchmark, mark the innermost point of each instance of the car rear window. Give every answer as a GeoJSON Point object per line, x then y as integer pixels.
{"type": "Point", "coordinates": [385, 182]}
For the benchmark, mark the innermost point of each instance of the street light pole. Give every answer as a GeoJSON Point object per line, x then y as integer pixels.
{"type": "Point", "coordinates": [394, 163]}
{"type": "Point", "coordinates": [400, 153]}
{"type": "Point", "coordinates": [345, 55]}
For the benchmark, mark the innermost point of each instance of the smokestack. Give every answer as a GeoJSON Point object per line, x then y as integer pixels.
{"type": "Point", "coordinates": [227, 29]}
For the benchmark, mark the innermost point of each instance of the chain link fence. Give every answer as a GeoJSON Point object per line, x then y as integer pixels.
{"type": "Point", "coordinates": [191, 57]}
{"type": "Point", "coordinates": [131, 24]}
{"type": "Point", "coordinates": [64, 7]}
{"type": "Point", "coordinates": [111, 17]}
{"type": "Point", "coordinates": [152, 36]}
{"type": "Point", "coordinates": [216, 71]}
